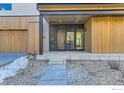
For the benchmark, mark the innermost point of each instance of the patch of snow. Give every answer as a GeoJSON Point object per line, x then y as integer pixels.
{"type": "Point", "coordinates": [12, 68]}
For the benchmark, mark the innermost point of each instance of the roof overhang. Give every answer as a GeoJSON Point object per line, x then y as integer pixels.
{"type": "Point", "coordinates": [86, 9]}
{"type": "Point", "coordinates": [79, 7]}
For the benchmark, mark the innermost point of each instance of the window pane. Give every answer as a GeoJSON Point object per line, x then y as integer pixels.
{"type": "Point", "coordinates": [5, 7]}
{"type": "Point", "coordinates": [79, 39]}
{"type": "Point", "coordinates": [70, 40]}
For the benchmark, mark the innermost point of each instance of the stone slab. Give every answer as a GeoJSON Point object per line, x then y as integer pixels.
{"type": "Point", "coordinates": [56, 67]}
{"type": "Point", "coordinates": [55, 74]}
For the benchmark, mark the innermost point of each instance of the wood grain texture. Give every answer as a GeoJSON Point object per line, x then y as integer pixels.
{"type": "Point", "coordinates": [33, 38]}
{"type": "Point", "coordinates": [88, 35]}
{"type": "Point", "coordinates": [13, 41]}
{"type": "Point", "coordinates": [17, 22]}
{"type": "Point", "coordinates": [81, 7]}
{"type": "Point", "coordinates": [15, 33]}
{"type": "Point", "coordinates": [108, 34]}
{"type": "Point", "coordinates": [61, 39]}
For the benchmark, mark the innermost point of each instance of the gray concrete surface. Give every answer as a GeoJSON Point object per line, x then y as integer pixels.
{"type": "Point", "coordinates": [6, 58]}
{"type": "Point", "coordinates": [55, 74]}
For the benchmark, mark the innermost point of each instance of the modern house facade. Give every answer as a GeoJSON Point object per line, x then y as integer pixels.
{"type": "Point", "coordinates": [94, 28]}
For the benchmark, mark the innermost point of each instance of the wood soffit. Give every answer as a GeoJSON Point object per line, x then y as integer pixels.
{"type": "Point", "coordinates": [81, 7]}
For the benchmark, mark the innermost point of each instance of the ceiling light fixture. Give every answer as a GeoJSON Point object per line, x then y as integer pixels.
{"type": "Point", "coordinates": [76, 21]}
{"type": "Point", "coordinates": [60, 21]}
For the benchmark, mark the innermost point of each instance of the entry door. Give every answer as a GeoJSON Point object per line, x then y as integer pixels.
{"type": "Point", "coordinates": [61, 39]}
{"type": "Point", "coordinates": [70, 39]}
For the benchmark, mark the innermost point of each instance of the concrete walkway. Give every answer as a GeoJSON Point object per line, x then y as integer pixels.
{"type": "Point", "coordinates": [55, 74]}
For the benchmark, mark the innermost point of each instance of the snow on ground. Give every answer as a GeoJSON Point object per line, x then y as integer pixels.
{"type": "Point", "coordinates": [30, 75]}
{"type": "Point", "coordinates": [12, 68]}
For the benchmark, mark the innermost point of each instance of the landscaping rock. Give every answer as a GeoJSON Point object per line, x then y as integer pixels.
{"type": "Point", "coordinates": [93, 73]}
{"type": "Point", "coordinates": [114, 64]}
{"type": "Point", "coordinates": [121, 67]}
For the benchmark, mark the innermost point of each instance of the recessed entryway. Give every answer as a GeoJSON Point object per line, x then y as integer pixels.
{"type": "Point", "coordinates": [64, 32]}
{"type": "Point", "coordinates": [66, 37]}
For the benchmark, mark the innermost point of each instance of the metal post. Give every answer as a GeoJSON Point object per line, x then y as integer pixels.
{"type": "Point", "coordinates": [41, 35]}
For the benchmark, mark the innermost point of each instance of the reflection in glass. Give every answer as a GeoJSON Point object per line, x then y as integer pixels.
{"type": "Point", "coordinates": [79, 39]}
{"type": "Point", "coordinates": [70, 40]}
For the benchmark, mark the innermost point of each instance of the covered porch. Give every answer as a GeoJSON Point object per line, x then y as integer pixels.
{"type": "Point", "coordinates": [102, 28]}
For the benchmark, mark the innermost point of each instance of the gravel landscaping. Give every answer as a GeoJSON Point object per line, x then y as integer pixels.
{"type": "Point", "coordinates": [95, 72]}
{"type": "Point", "coordinates": [28, 76]}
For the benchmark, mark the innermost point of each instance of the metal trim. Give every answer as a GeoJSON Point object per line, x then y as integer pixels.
{"type": "Point", "coordinates": [5, 29]}
{"type": "Point", "coordinates": [120, 12]}
{"type": "Point", "coordinates": [41, 35]}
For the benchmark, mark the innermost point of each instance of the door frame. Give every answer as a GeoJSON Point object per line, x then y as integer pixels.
{"type": "Point", "coordinates": [67, 26]}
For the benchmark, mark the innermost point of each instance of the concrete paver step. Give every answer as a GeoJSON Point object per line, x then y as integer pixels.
{"type": "Point", "coordinates": [56, 67]}
{"type": "Point", "coordinates": [55, 74]}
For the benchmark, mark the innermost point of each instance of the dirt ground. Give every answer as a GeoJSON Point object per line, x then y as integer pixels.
{"type": "Point", "coordinates": [93, 73]}
{"type": "Point", "coordinates": [29, 75]}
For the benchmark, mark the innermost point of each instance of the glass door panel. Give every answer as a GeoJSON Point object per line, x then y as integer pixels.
{"type": "Point", "coordinates": [79, 39]}
{"type": "Point", "coordinates": [70, 40]}
{"type": "Point", "coordinates": [53, 39]}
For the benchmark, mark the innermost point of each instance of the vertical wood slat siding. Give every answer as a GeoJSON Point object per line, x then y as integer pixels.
{"type": "Point", "coordinates": [13, 41]}
{"type": "Point", "coordinates": [108, 34]}
{"type": "Point", "coordinates": [88, 42]}
{"type": "Point", "coordinates": [19, 39]}
{"type": "Point", "coordinates": [14, 22]}
{"type": "Point", "coordinates": [33, 39]}
{"type": "Point", "coordinates": [118, 34]}
{"type": "Point", "coordinates": [4, 44]}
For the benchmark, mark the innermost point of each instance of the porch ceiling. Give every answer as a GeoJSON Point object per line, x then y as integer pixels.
{"type": "Point", "coordinates": [67, 19]}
